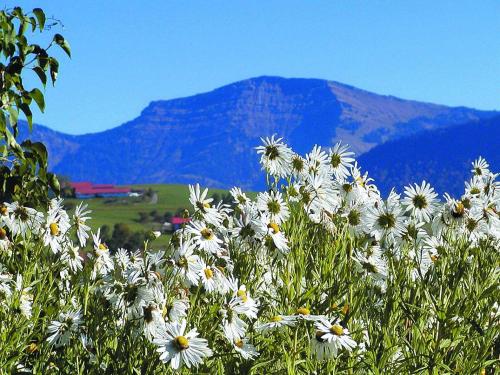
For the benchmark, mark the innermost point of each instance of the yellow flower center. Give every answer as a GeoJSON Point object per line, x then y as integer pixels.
{"type": "Point", "coordinates": [238, 343]}
{"type": "Point", "coordinates": [303, 311]}
{"type": "Point", "coordinates": [3, 210]}
{"type": "Point", "coordinates": [206, 205]}
{"type": "Point", "coordinates": [33, 347]}
{"type": "Point", "coordinates": [434, 257]}
{"type": "Point", "coordinates": [54, 229]}
{"type": "Point", "coordinates": [102, 247]}
{"type": "Point", "coordinates": [345, 309]}
{"type": "Point", "coordinates": [3, 234]}
{"type": "Point", "coordinates": [243, 295]}
{"type": "Point", "coordinates": [337, 330]}
{"type": "Point", "coordinates": [459, 210]}
{"type": "Point", "coordinates": [208, 273]}
{"type": "Point", "coordinates": [207, 234]}
{"type": "Point", "coordinates": [275, 227]}
{"type": "Point", "coordinates": [181, 342]}
{"type": "Point", "coordinates": [276, 319]}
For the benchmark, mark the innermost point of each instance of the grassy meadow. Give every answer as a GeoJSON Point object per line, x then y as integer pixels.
{"type": "Point", "coordinates": [126, 210]}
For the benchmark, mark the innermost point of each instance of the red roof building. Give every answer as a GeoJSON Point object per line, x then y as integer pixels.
{"type": "Point", "coordinates": [86, 189]}
{"type": "Point", "coordinates": [179, 220]}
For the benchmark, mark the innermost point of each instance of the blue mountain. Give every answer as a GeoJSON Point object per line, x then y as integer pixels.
{"type": "Point", "coordinates": [210, 137]}
{"type": "Point", "coordinates": [442, 157]}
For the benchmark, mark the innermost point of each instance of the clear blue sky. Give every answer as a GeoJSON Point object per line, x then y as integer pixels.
{"type": "Point", "coordinates": [127, 53]}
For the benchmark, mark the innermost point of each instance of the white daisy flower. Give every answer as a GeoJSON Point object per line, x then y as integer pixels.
{"type": "Point", "coordinates": [176, 310]}
{"type": "Point", "coordinates": [204, 237]}
{"type": "Point", "coordinates": [246, 349]}
{"type": "Point", "coordinates": [71, 257]}
{"type": "Point", "coordinates": [305, 314]}
{"type": "Point", "coordinates": [61, 330]}
{"type": "Point", "coordinates": [298, 166]}
{"type": "Point", "coordinates": [370, 261]}
{"type": "Point", "coordinates": [317, 162]}
{"type": "Point", "coordinates": [103, 263]}
{"type": "Point", "coordinates": [239, 197]}
{"type": "Point", "coordinates": [272, 205]}
{"type": "Point", "coordinates": [179, 348]}
{"type": "Point", "coordinates": [355, 215]}
{"type": "Point", "coordinates": [153, 323]}
{"type": "Point", "coordinates": [187, 265]}
{"type": "Point", "coordinates": [480, 167]}
{"type": "Point", "coordinates": [202, 205]}
{"type": "Point", "coordinates": [275, 156]}
{"type": "Point", "coordinates": [21, 218]}
{"type": "Point", "coordinates": [5, 243]}
{"type": "Point", "coordinates": [26, 298]}
{"type": "Point", "coordinates": [5, 285]}
{"type": "Point", "coordinates": [276, 322]}
{"type": "Point", "coordinates": [341, 160]}
{"type": "Point", "coordinates": [243, 303]}
{"type": "Point", "coordinates": [207, 278]}
{"type": "Point", "coordinates": [334, 334]}
{"type": "Point", "coordinates": [385, 218]}
{"type": "Point", "coordinates": [80, 218]}
{"type": "Point", "coordinates": [279, 240]}
{"type": "Point", "coordinates": [420, 201]}
{"type": "Point", "coordinates": [233, 326]}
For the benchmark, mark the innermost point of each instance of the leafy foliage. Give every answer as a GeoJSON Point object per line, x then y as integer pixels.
{"type": "Point", "coordinates": [23, 172]}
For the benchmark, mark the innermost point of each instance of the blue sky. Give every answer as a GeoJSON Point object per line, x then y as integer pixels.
{"type": "Point", "coordinates": [128, 53]}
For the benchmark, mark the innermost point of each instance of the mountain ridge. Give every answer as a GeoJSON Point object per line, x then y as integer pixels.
{"type": "Point", "coordinates": [186, 140]}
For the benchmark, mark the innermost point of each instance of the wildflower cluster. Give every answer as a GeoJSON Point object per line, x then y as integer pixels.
{"type": "Point", "coordinates": [319, 273]}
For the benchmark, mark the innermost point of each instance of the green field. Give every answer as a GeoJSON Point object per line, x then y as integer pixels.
{"type": "Point", "coordinates": [126, 210]}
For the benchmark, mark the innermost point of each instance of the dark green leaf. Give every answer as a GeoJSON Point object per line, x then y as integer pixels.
{"type": "Point", "coordinates": [54, 183]}
{"type": "Point", "coordinates": [54, 69]}
{"type": "Point", "coordinates": [33, 23]}
{"type": "Point", "coordinates": [63, 43]}
{"type": "Point", "coordinates": [40, 16]}
{"type": "Point", "coordinates": [41, 74]}
{"type": "Point", "coordinates": [37, 96]}
{"type": "Point", "coordinates": [27, 112]}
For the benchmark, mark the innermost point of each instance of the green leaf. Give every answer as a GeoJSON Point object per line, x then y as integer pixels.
{"type": "Point", "coordinates": [13, 114]}
{"type": "Point", "coordinates": [3, 122]}
{"type": "Point", "coordinates": [54, 69]}
{"type": "Point", "coordinates": [41, 74]}
{"type": "Point", "coordinates": [39, 149]}
{"type": "Point", "coordinates": [54, 183]}
{"type": "Point", "coordinates": [37, 96]}
{"type": "Point", "coordinates": [33, 23]}
{"type": "Point", "coordinates": [40, 16]}
{"type": "Point", "coordinates": [27, 112]}
{"type": "Point", "coordinates": [63, 43]}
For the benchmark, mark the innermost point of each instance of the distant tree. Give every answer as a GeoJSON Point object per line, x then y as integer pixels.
{"type": "Point", "coordinates": [135, 241]}
{"type": "Point", "coordinates": [105, 233]}
{"type": "Point", "coordinates": [180, 212]}
{"type": "Point", "coordinates": [167, 216]}
{"type": "Point", "coordinates": [143, 217]}
{"type": "Point", "coordinates": [216, 198]}
{"type": "Point", "coordinates": [68, 206]}
{"type": "Point", "coordinates": [121, 233]}
{"type": "Point", "coordinates": [67, 191]}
